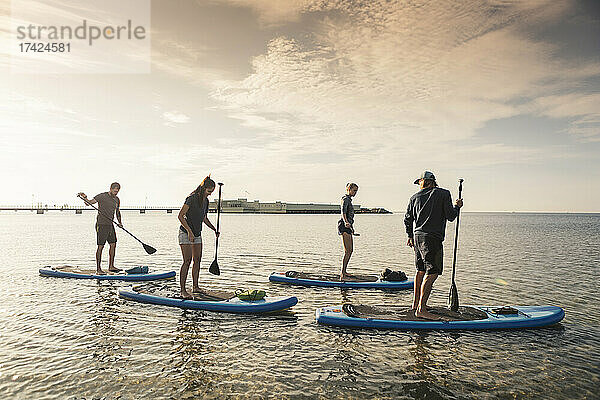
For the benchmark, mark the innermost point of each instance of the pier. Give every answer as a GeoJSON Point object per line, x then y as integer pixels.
{"type": "Point", "coordinates": [238, 206]}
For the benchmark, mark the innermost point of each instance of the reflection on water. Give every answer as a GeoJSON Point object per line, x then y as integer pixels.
{"type": "Point", "coordinates": [192, 356]}
{"type": "Point", "coordinates": [425, 384]}
{"type": "Point", "coordinates": [77, 339]}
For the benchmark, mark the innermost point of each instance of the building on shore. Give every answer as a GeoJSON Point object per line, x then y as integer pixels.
{"type": "Point", "coordinates": [245, 206]}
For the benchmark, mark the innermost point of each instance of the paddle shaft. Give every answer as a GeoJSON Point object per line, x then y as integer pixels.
{"type": "Point", "coordinates": [218, 219]}
{"type": "Point", "coordinates": [456, 234]}
{"type": "Point", "coordinates": [111, 220]}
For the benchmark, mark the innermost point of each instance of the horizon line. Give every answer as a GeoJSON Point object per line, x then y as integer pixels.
{"type": "Point", "coordinates": [158, 208]}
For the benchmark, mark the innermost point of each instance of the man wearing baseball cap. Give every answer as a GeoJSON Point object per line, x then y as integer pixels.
{"type": "Point", "coordinates": [425, 220]}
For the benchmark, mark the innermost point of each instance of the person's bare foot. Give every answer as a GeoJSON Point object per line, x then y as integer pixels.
{"type": "Point", "coordinates": [423, 314]}
{"type": "Point", "coordinates": [344, 276]}
{"type": "Point", "coordinates": [196, 290]}
{"type": "Point", "coordinates": [114, 269]}
{"type": "Point", "coordinates": [414, 308]}
{"type": "Point", "coordinates": [185, 295]}
{"type": "Point", "coordinates": [100, 272]}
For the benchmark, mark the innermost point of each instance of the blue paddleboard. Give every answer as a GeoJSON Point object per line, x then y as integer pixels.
{"type": "Point", "coordinates": [77, 273]}
{"type": "Point", "coordinates": [467, 318]}
{"type": "Point", "coordinates": [231, 305]}
{"type": "Point", "coordinates": [360, 281]}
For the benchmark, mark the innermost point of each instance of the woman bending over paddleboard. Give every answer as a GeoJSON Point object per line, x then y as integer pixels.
{"type": "Point", "coordinates": [193, 213]}
{"type": "Point", "coordinates": [345, 226]}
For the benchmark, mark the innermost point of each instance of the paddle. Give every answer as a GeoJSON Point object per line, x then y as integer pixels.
{"type": "Point", "coordinates": [453, 296]}
{"type": "Point", "coordinates": [214, 267]}
{"type": "Point", "coordinates": [149, 249]}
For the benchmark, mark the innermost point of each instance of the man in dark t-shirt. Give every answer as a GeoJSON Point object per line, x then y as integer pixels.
{"type": "Point", "coordinates": [108, 207]}
{"type": "Point", "coordinates": [425, 221]}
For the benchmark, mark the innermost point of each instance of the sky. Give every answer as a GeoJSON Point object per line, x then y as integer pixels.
{"type": "Point", "coordinates": [291, 100]}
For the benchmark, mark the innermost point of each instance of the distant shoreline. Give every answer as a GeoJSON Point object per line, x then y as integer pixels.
{"type": "Point", "coordinates": [12, 210]}
{"type": "Point", "coordinates": [170, 210]}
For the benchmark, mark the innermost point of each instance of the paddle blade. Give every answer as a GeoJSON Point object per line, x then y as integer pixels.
{"type": "Point", "coordinates": [214, 268]}
{"type": "Point", "coordinates": [149, 249]}
{"type": "Point", "coordinates": [453, 298]}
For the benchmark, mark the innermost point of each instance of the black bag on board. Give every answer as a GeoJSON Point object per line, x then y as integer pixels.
{"type": "Point", "coordinates": [393, 276]}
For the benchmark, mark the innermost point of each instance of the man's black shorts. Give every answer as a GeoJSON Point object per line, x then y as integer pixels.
{"type": "Point", "coordinates": [429, 254]}
{"type": "Point", "coordinates": [105, 233]}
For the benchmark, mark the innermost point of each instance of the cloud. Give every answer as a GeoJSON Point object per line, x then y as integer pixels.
{"type": "Point", "coordinates": [408, 74]}
{"type": "Point", "coordinates": [174, 117]}
{"type": "Point", "coordinates": [105, 56]}
{"type": "Point", "coordinates": [183, 59]}
{"type": "Point", "coordinates": [18, 122]}
{"type": "Point", "coordinates": [275, 13]}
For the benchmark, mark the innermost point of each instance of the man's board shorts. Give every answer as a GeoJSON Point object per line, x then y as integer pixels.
{"type": "Point", "coordinates": [105, 233]}
{"type": "Point", "coordinates": [342, 227]}
{"type": "Point", "coordinates": [183, 238]}
{"type": "Point", "coordinates": [429, 254]}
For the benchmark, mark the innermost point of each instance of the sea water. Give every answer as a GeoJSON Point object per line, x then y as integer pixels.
{"type": "Point", "coordinates": [76, 339]}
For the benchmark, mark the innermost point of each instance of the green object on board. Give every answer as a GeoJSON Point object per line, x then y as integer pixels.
{"type": "Point", "coordinates": [250, 295]}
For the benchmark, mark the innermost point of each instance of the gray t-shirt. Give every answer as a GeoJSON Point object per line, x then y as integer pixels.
{"type": "Point", "coordinates": [107, 205]}
{"type": "Point", "coordinates": [347, 208]}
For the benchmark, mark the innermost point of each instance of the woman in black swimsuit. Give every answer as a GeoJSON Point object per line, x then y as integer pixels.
{"type": "Point", "coordinates": [345, 226]}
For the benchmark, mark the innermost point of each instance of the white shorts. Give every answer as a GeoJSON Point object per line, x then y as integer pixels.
{"type": "Point", "coordinates": [183, 238]}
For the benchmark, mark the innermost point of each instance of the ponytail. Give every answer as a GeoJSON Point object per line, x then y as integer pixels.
{"type": "Point", "coordinates": [201, 189]}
